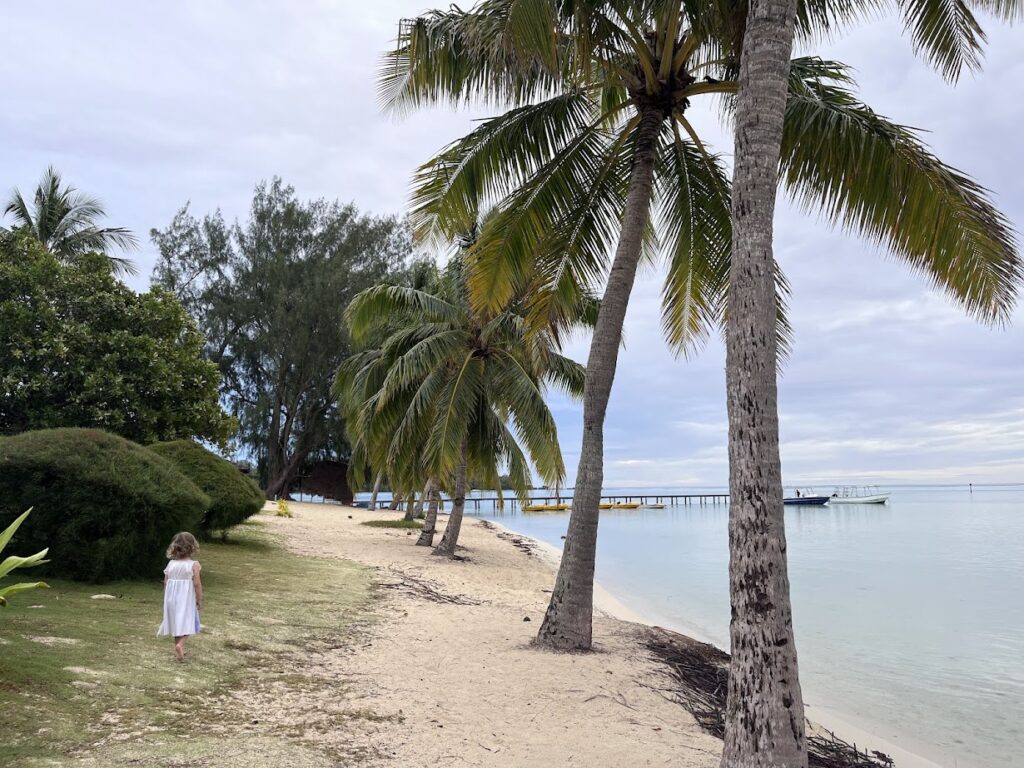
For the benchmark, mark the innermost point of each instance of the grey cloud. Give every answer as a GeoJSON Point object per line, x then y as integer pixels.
{"type": "Point", "coordinates": [149, 106]}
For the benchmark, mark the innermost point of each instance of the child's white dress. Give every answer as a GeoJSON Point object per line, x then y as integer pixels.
{"type": "Point", "coordinates": [181, 617]}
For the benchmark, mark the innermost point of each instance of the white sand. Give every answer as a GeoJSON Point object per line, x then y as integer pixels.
{"type": "Point", "coordinates": [461, 684]}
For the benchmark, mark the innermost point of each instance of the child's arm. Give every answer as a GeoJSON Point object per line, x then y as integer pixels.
{"type": "Point", "coordinates": [198, 583]}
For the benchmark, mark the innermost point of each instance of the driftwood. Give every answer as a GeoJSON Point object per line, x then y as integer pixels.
{"type": "Point", "coordinates": [700, 677]}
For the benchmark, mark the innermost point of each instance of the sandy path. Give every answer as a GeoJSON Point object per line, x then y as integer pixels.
{"type": "Point", "coordinates": [460, 684]}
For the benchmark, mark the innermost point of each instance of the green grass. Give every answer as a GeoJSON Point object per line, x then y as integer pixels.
{"type": "Point", "coordinates": [393, 523]}
{"type": "Point", "coordinates": [83, 677]}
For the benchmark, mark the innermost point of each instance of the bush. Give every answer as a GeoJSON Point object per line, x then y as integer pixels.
{"type": "Point", "coordinates": [233, 496]}
{"type": "Point", "coordinates": [106, 507]}
{"type": "Point", "coordinates": [283, 510]}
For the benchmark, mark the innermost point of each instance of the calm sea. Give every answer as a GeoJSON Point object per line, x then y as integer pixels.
{"type": "Point", "coordinates": [909, 617]}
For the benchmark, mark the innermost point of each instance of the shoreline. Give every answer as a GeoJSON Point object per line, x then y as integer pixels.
{"type": "Point", "coordinates": [824, 715]}
{"type": "Point", "coordinates": [448, 674]}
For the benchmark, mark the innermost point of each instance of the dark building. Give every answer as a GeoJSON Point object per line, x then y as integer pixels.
{"type": "Point", "coordinates": [326, 478]}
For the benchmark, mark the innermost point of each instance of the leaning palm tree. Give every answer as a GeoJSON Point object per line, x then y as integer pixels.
{"type": "Point", "coordinates": [450, 393]}
{"type": "Point", "coordinates": [594, 154]}
{"type": "Point", "coordinates": [65, 220]}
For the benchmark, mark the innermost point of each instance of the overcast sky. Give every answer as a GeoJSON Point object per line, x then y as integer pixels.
{"type": "Point", "coordinates": [153, 105]}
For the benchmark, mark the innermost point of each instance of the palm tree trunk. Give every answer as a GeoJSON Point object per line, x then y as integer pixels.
{"type": "Point", "coordinates": [414, 507]}
{"type": "Point", "coordinates": [764, 724]}
{"type": "Point", "coordinates": [567, 623]}
{"type": "Point", "coordinates": [427, 490]}
{"type": "Point", "coordinates": [451, 531]}
{"type": "Point", "coordinates": [396, 500]}
{"type": "Point", "coordinates": [426, 538]}
{"type": "Point", "coordinates": [372, 503]}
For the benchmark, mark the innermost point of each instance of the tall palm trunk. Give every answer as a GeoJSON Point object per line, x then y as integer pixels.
{"type": "Point", "coordinates": [451, 531]}
{"type": "Point", "coordinates": [427, 490]}
{"type": "Point", "coordinates": [372, 503]}
{"type": "Point", "coordinates": [765, 713]}
{"type": "Point", "coordinates": [396, 500]}
{"type": "Point", "coordinates": [412, 507]}
{"type": "Point", "coordinates": [426, 538]}
{"type": "Point", "coordinates": [567, 623]}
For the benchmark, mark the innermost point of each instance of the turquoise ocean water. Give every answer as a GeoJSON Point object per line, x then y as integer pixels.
{"type": "Point", "coordinates": [909, 617]}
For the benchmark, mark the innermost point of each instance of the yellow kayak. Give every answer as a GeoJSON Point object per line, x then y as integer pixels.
{"type": "Point", "coordinates": [563, 507]}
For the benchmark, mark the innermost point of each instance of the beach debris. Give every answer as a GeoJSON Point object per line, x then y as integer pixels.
{"type": "Point", "coordinates": [526, 618]}
{"type": "Point", "coordinates": [428, 590]}
{"type": "Point", "coordinates": [519, 542]}
{"type": "Point", "coordinates": [103, 596]}
{"type": "Point", "coordinates": [700, 682]}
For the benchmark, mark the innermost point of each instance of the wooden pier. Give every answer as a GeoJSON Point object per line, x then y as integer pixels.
{"type": "Point", "coordinates": [667, 500]}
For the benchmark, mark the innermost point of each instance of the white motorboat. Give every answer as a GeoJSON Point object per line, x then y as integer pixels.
{"type": "Point", "coordinates": [849, 494]}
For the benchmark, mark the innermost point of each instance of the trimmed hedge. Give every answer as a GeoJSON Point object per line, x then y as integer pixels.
{"type": "Point", "coordinates": [106, 507]}
{"type": "Point", "coordinates": [233, 496]}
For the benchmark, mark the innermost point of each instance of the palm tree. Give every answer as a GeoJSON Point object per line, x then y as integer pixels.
{"type": "Point", "coordinates": [64, 220]}
{"type": "Point", "coordinates": [426, 538]}
{"type": "Point", "coordinates": [450, 392]}
{"type": "Point", "coordinates": [595, 154]}
{"type": "Point", "coordinates": [765, 714]}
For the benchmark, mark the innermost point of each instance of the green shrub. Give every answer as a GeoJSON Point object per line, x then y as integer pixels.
{"type": "Point", "coordinates": [106, 507]}
{"type": "Point", "coordinates": [233, 496]}
{"type": "Point", "coordinates": [283, 510]}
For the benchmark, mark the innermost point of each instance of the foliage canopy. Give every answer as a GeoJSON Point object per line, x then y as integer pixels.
{"type": "Point", "coordinates": [81, 349]}
{"type": "Point", "coordinates": [268, 294]}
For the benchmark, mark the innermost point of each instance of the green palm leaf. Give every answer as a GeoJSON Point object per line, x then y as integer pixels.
{"type": "Point", "coordinates": [874, 176]}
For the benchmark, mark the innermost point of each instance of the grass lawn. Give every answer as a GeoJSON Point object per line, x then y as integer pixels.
{"type": "Point", "coordinates": [86, 682]}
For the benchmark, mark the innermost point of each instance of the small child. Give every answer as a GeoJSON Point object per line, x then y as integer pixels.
{"type": "Point", "coordinates": [183, 592]}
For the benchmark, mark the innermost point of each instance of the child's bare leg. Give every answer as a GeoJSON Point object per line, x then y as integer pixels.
{"type": "Point", "coordinates": [179, 647]}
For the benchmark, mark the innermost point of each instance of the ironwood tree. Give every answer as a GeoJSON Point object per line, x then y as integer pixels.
{"type": "Point", "coordinates": [269, 293]}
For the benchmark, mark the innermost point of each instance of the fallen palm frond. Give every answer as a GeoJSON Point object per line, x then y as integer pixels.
{"type": "Point", "coordinates": [700, 683]}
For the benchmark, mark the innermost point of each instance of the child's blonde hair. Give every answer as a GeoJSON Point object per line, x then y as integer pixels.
{"type": "Point", "coordinates": [183, 546]}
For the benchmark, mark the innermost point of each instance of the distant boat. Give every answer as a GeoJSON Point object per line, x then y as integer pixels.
{"type": "Point", "coordinates": [620, 505]}
{"type": "Point", "coordinates": [866, 495]}
{"type": "Point", "coordinates": [805, 498]}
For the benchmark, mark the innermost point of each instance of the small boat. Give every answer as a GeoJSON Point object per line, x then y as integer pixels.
{"type": "Point", "coordinates": [546, 507]}
{"type": "Point", "coordinates": [620, 505]}
{"type": "Point", "coordinates": [851, 495]}
{"type": "Point", "coordinates": [805, 497]}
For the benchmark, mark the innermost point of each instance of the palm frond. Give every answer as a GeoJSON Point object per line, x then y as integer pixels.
{"type": "Point", "coordinates": [370, 307]}
{"type": "Point", "coordinates": [880, 181]}
{"type": "Point", "coordinates": [500, 53]}
{"type": "Point", "coordinates": [696, 222]}
{"type": "Point", "coordinates": [946, 33]}
{"type": "Point", "coordinates": [475, 172]}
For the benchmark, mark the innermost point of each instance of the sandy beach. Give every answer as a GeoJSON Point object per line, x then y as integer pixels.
{"type": "Point", "coordinates": [450, 671]}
